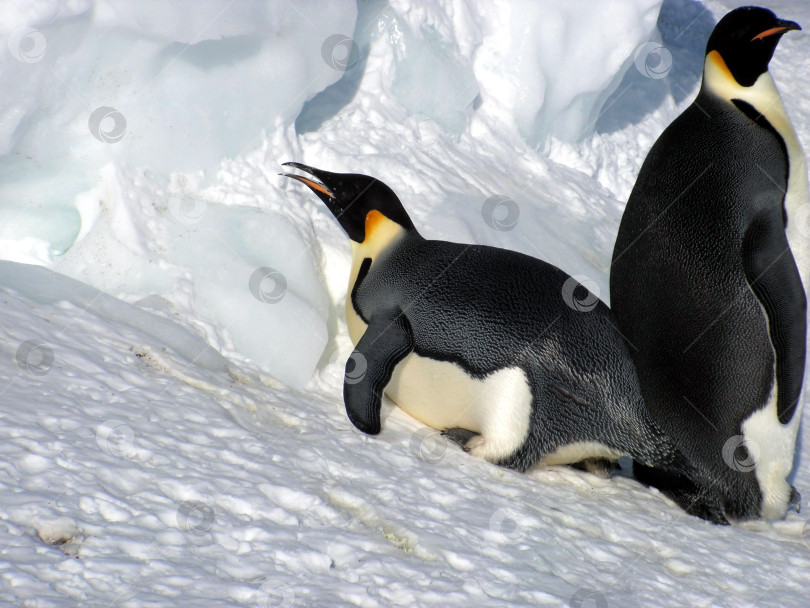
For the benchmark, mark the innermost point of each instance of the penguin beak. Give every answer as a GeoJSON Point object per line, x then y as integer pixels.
{"type": "Point", "coordinates": [318, 188]}
{"type": "Point", "coordinates": [781, 27]}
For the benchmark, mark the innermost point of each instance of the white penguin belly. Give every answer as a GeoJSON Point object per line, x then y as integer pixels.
{"type": "Point", "coordinates": [771, 446]}
{"type": "Point", "coordinates": [444, 396]}
{"type": "Point", "coordinates": [576, 452]}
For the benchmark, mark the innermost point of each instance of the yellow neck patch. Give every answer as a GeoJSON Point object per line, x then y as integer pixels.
{"type": "Point", "coordinates": [373, 220]}
{"type": "Point", "coordinates": [381, 234]}
{"type": "Point", "coordinates": [715, 61]}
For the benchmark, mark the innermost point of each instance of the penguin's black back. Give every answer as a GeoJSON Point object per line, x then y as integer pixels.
{"type": "Point", "coordinates": [678, 283]}
{"type": "Point", "coordinates": [487, 309]}
{"type": "Point", "coordinates": [481, 307]}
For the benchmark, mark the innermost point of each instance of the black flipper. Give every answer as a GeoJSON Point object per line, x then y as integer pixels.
{"type": "Point", "coordinates": [695, 500]}
{"type": "Point", "coordinates": [387, 341]}
{"type": "Point", "coordinates": [772, 274]}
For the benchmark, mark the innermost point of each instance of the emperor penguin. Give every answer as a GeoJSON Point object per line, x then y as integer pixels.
{"type": "Point", "coordinates": [494, 346]}
{"type": "Point", "coordinates": [706, 277]}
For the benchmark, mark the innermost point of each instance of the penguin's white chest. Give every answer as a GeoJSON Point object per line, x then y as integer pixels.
{"type": "Point", "coordinates": [765, 98]}
{"type": "Point", "coordinates": [443, 395]}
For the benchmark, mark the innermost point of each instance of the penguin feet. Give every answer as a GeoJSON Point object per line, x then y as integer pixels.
{"type": "Point", "coordinates": [496, 452]}
{"type": "Point", "coordinates": [477, 446]}
{"type": "Point", "coordinates": [459, 436]}
{"type": "Point", "coordinates": [795, 500]}
{"type": "Point", "coordinates": [489, 450]}
{"type": "Point", "coordinates": [474, 443]}
{"type": "Point", "coordinates": [601, 467]}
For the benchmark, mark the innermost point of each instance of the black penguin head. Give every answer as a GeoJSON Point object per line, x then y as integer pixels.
{"type": "Point", "coordinates": [746, 39]}
{"type": "Point", "coordinates": [351, 197]}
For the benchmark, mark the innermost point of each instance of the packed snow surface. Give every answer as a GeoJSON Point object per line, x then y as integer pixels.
{"type": "Point", "coordinates": [171, 318]}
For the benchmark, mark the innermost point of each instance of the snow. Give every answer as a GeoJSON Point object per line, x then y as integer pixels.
{"type": "Point", "coordinates": [172, 328]}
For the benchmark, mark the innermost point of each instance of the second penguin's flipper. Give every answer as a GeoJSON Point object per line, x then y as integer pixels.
{"type": "Point", "coordinates": [386, 342]}
{"type": "Point", "coordinates": [773, 277]}
{"type": "Point", "coordinates": [695, 500]}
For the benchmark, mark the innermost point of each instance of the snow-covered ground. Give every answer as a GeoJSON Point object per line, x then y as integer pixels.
{"type": "Point", "coordinates": [171, 311]}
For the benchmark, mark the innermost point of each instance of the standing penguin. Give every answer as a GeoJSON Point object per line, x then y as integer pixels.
{"type": "Point", "coordinates": [704, 284]}
{"type": "Point", "coordinates": [484, 340]}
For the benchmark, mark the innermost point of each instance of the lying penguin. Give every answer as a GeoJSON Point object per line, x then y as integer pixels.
{"type": "Point", "coordinates": [499, 348]}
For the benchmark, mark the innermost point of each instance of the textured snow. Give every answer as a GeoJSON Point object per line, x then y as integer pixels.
{"type": "Point", "coordinates": [171, 415]}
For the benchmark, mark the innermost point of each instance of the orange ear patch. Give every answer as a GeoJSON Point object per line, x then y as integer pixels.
{"type": "Point", "coordinates": [373, 219]}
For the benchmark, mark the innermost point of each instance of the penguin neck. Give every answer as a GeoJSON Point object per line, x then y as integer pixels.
{"type": "Point", "coordinates": [381, 235]}
{"type": "Point", "coordinates": [764, 97]}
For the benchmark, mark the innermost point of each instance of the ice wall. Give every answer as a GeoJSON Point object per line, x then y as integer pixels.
{"type": "Point", "coordinates": [549, 65]}
{"type": "Point", "coordinates": [140, 140]}
{"type": "Point", "coordinates": [566, 58]}
{"type": "Point", "coordinates": [172, 86]}
{"type": "Point", "coordinates": [169, 88]}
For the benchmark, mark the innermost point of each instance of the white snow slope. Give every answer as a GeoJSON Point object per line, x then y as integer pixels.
{"type": "Point", "coordinates": [171, 311]}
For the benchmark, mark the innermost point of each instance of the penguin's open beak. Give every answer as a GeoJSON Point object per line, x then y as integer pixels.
{"type": "Point", "coordinates": [781, 27]}
{"type": "Point", "coordinates": [318, 188]}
